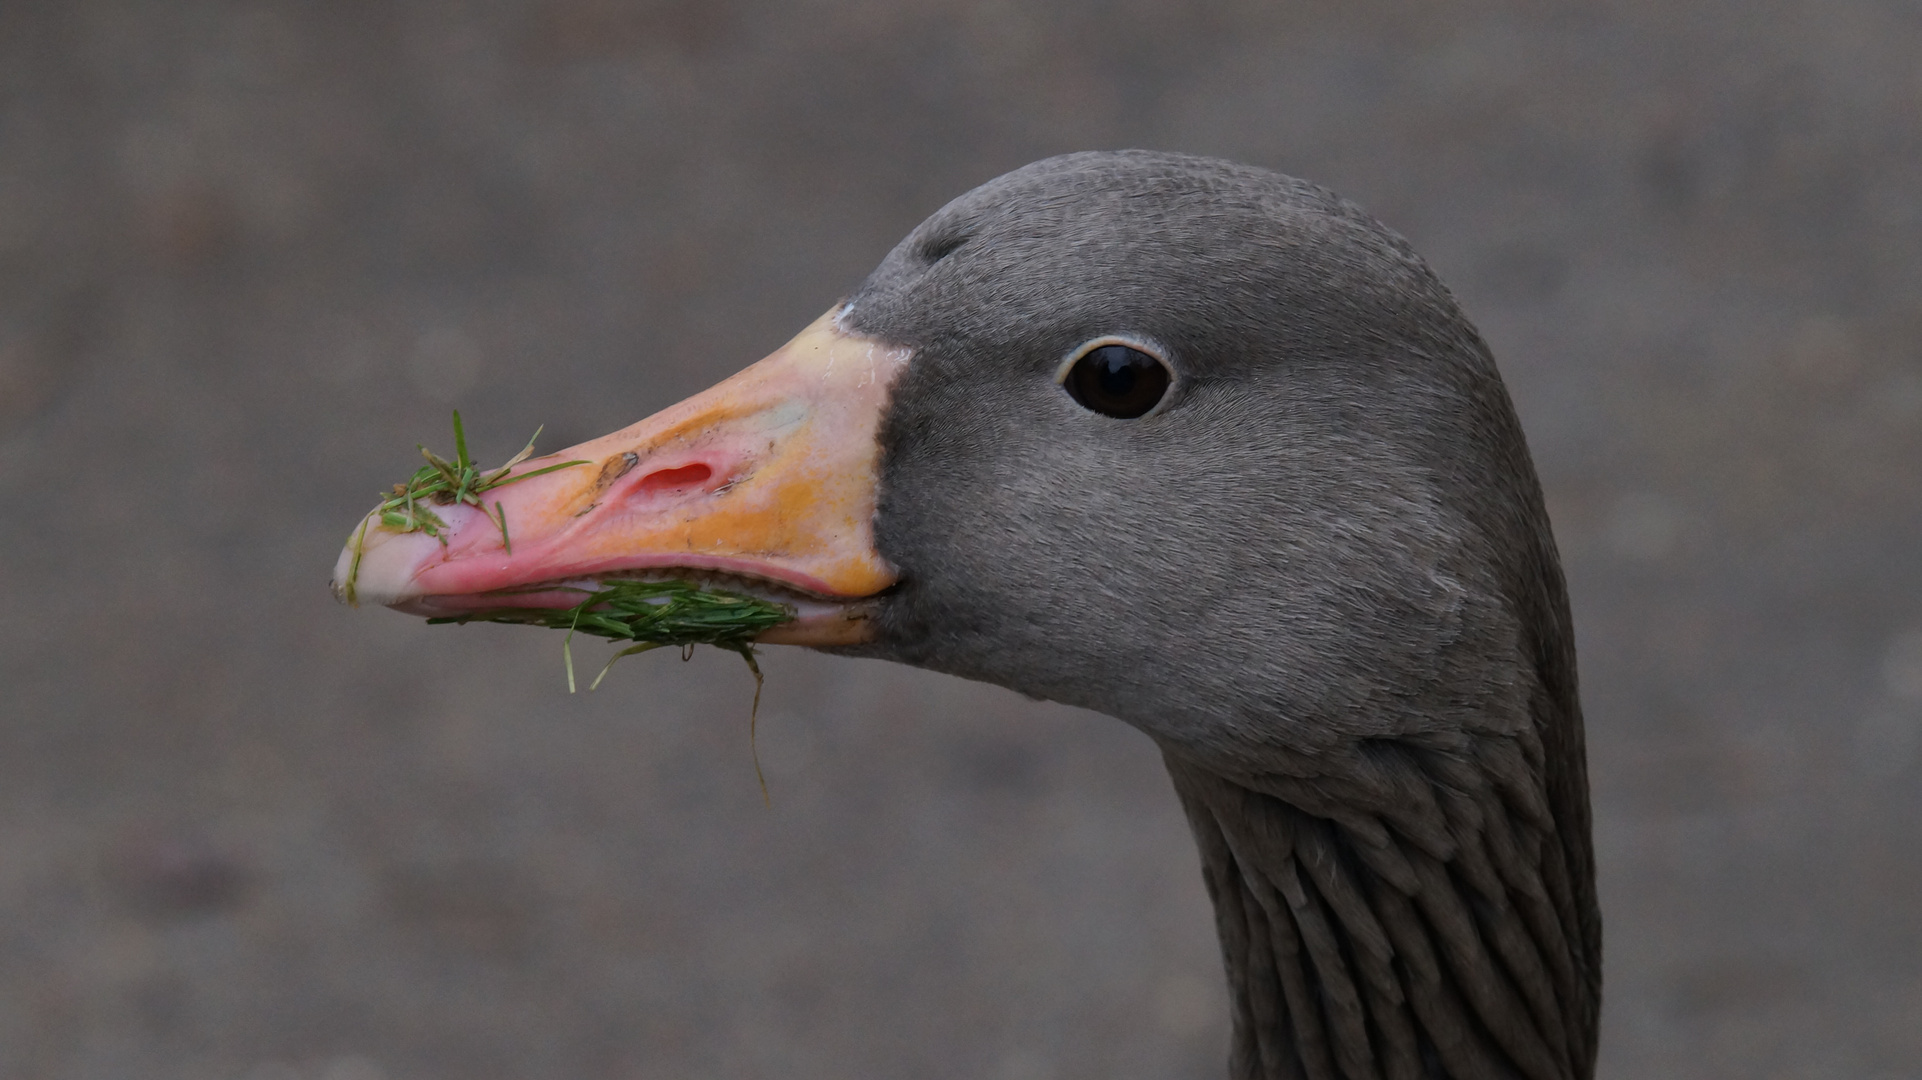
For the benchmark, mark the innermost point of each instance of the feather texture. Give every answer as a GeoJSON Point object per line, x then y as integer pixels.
{"type": "Point", "coordinates": [1432, 945]}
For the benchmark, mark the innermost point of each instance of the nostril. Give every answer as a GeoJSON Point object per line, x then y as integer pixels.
{"type": "Point", "coordinates": [673, 479]}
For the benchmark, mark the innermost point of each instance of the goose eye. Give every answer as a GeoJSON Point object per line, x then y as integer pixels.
{"type": "Point", "coordinates": [1117, 381]}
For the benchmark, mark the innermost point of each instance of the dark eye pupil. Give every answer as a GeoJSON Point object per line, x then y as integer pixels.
{"type": "Point", "coordinates": [1117, 381]}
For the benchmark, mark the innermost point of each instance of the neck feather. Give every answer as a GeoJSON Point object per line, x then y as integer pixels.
{"type": "Point", "coordinates": [1427, 911]}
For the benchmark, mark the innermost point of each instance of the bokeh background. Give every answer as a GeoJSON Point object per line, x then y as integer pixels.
{"type": "Point", "coordinates": [252, 252]}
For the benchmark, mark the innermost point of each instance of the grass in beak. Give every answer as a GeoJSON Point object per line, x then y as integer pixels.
{"type": "Point", "coordinates": [652, 614]}
{"type": "Point", "coordinates": [649, 613]}
{"type": "Point", "coordinates": [407, 507]}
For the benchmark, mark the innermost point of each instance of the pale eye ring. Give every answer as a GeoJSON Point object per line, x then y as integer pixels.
{"type": "Point", "coordinates": [1116, 377]}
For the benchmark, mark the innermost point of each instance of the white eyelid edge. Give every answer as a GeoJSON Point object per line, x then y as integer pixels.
{"type": "Point", "coordinates": [1139, 344]}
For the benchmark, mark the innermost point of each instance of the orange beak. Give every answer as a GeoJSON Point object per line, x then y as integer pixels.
{"type": "Point", "coordinates": [766, 482]}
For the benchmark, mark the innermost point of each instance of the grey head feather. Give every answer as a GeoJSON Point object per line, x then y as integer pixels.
{"type": "Point", "coordinates": [1320, 576]}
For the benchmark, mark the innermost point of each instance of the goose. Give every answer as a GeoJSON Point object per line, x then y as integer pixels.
{"type": "Point", "coordinates": [1209, 450]}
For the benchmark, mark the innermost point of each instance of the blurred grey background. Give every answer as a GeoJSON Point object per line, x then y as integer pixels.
{"type": "Point", "coordinates": [252, 252]}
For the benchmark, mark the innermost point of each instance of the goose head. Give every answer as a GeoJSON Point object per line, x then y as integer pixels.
{"type": "Point", "coordinates": [1207, 449]}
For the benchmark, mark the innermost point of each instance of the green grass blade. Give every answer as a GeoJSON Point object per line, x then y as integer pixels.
{"type": "Point", "coordinates": [353, 568]}
{"type": "Point", "coordinates": [460, 443]}
{"type": "Point", "coordinates": [542, 471]}
{"type": "Point", "coordinates": [526, 451]}
{"type": "Point", "coordinates": [631, 650]}
{"type": "Point", "coordinates": [753, 720]}
{"type": "Point", "coordinates": [448, 474]}
{"type": "Point", "coordinates": [567, 654]}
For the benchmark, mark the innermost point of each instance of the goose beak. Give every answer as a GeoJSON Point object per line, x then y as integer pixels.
{"type": "Point", "coordinates": [764, 484]}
